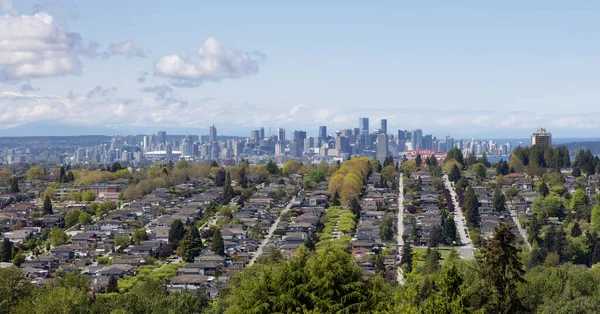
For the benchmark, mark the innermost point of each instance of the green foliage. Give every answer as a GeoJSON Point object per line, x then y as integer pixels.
{"type": "Point", "coordinates": [454, 174]}
{"type": "Point", "coordinates": [227, 189]}
{"type": "Point", "coordinates": [550, 206]}
{"type": "Point", "coordinates": [13, 185]}
{"type": "Point", "coordinates": [498, 200]}
{"type": "Point", "coordinates": [84, 219]}
{"type": "Point", "coordinates": [190, 246]}
{"type": "Point", "coordinates": [72, 217]}
{"type": "Point", "coordinates": [217, 245]}
{"type": "Point", "coordinates": [471, 207]}
{"type": "Point", "coordinates": [47, 206]}
{"type": "Point", "coordinates": [58, 237]}
{"type": "Point", "coordinates": [386, 228]}
{"type": "Point", "coordinates": [122, 241]}
{"type": "Point", "coordinates": [138, 236]}
{"type": "Point", "coordinates": [479, 170]}
{"type": "Point", "coordinates": [177, 231]}
{"type": "Point", "coordinates": [272, 167]}
{"type": "Point", "coordinates": [34, 173]}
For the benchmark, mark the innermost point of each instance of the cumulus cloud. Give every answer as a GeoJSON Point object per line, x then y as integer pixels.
{"type": "Point", "coordinates": [212, 62]}
{"type": "Point", "coordinates": [126, 48]}
{"type": "Point", "coordinates": [56, 8]}
{"type": "Point", "coordinates": [37, 46]}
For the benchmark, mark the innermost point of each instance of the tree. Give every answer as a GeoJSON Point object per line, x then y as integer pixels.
{"type": "Point", "coordinates": [7, 248]}
{"type": "Point", "coordinates": [112, 285]}
{"type": "Point", "coordinates": [291, 167]}
{"type": "Point", "coordinates": [498, 200]}
{"type": "Point", "coordinates": [58, 237]}
{"type": "Point", "coordinates": [479, 170]}
{"type": "Point", "coordinates": [217, 245]}
{"type": "Point", "coordinates": [502, 269]}
{"type": "Point", "coordinates": [432, 261]}
{"type": "Point", "coordinates": [580, 203]}
{"type": "Point", "coordinates": [543, 189]}
{"type": "Point", "coordinates": [182, 164]}
{"type": "Point", "coordinates": [18, 259]}
{"type": "Point", "coordinates": [354, 206]}
{"type": "Point", "coordinates": [419, 160]}
{"type": "Point", "coordinates": [471, 207]}
{"type": "Point", "coordinates": [454, 174]}
{"type": "Point", "coordinates": [72, 217]}
{"type": "Point", "coordinates": [272, 167]}
{"type": "Point", "coordinates": [406, 256]}
{"type": "Point", "coordinates": [177, 231]}
{"type": "Point", "coordinates": [84, 219]}
{"type": "Point", "coordinates": [47, 206]}
{"type": "Point", "coordinates": [336, 199]}
{"type": "Point", "coordinates": [34, 173]}
{"type": "Point", "coordinates": [450, 232]}
{"type": "Point", "coordinates": [190, 246]}
{"type": "Point", "coordinates": [138, 236]}
{"type": "Point", "coordinates": [13, 185]}
{"type": "Point", "coordinates": [436, 236]}
{"type": "Point", "coordinates": [122, 241]}
{"type": "Point", "coordinates": [595, 220]}
{"type": "Point", "coordinates": [219, 177]}
{"type": "Point", "coordinates": [116, 166]}
{"type": "Point", "coordinates": [243, 178]}
{"type": "Point", "coordinates": [516, 164]}
{"type": "Point", "coordinates": [227, 189]}
{"type": "Point", "coordinates": [70, 176]}
{"type": "Point", "coordinates": [576, 230]}
{"type": "Point", "coordinates": [61, 175]}
{"type": "Point", "coordinates": [502, 167]}
{"type": "Point", "coordinates": [14, 288]}
{"type": "Point", "coordinates": [576, 172]}
{"type": "Point", "coordinates": [386, 228]}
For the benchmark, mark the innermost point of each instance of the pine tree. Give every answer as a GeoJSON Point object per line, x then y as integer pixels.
{"type": "Point", "coordinates": [177, 231]}
{"type": "Point", "coordinates": [407, 256]}
{"type": "Point", "coordinates": [471, 207]}
{"type": "Point", "coordinates": [61, 175]}
{"type": "Point", "coordinates": [217, 245]}
{"type": "Point", "coordinates": [13, 185]}
{"type": "Point", "coordinates": [498, 200]}
{"type": "Point", "coordinates": [112, 285]}
{"type": "Point", "coordinates": [502, 269]}
{"type": "Point", "coordinates": [432, 261]}
{"type": "Point", "coordinates": [543, 189]}
{"type": "Point", "coordinates": [336, 199]}
{"type": "Point", "coordinates": [419, 160]}
{"type": "Point", "coordinates": [355, 207]}
{"type": "Point", "coordinates": [47, 206]}
{"type": "Point", "coordinates": [454, 174]}
{"type": "Point", "coordinates": [7, 248]}
{"type": "Point", "coordinates": [190, 246]}
{"type": "Point", "coordinates": [227, 189]}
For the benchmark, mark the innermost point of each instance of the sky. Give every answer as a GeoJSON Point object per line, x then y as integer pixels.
{"type": "Point", "coordinates": [495, 69]}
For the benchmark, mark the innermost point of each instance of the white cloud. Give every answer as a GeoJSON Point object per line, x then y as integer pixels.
{"type": "Point", "coordinates": [28, 88]}
{"type": "Point", "coordinates": [212, 62]}
{"type": "Point", "coordinates": [36, 46]}
{"type": "Point", "coordinates": [126, 48]}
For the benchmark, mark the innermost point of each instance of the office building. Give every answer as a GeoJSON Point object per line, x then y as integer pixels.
{"type": "Point", "coordinates": [383, 127]}
{"type": "Point", "coordinates": [363, 125]}
{"type": "Point", "coordinates": [162, 137]}
{"type": "Point", "coordinates": [297, 143]}
{"type": "Point", "coordinates": [212, 133]}
{"type": "Point", "coordinates": [261, 133]}
{"type": "Point", "coordinates": [382, 146]}
{"type": "Point", "coordinates": [323, 132]}
{"type": "Point", "coordinates": [281, 135]}
{"type": "Point", "coordinates": [417, 139]}
{"type": "Point", "coordinates": [541, 138]}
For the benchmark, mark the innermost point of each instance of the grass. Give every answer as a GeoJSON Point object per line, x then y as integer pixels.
{"type": "Point", "coordinates": [163, 274]}
{"type": "Point", "coordinates": [420, 252]}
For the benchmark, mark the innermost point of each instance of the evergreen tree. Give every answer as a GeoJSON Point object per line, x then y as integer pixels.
{"type": "Point", "coordinates": [432, 261]}
{"type": "Point", "coordinates": [7, 248]}
{"type": "Point", "coordinates": [386, 228]}
{"type": "Point", "coordinates": [419, 160]}
{"type": "Point", "coordinates": [502, 269]}
{"type": "Point", "coordinates": [576, 230]}
{"type": "Point", "coordinates": [61, 175]}
{"type": "Point", "coordinates": [227, 189]}
{"type": "Point", "coordinates": [70, 176]}
{"type": "Point", "coordinates": [354, 206]}
{"type": "Point", "coordinates": [47, 206]}
{"type": "Point", "coordinates": [177, 231]}
{"type": "Point", "coordinates": [13, 185]}
{"type": "Point", "coordinates": [309, 243]}
{"type": "Point", "coordinates": [498, 200]}
{"type": "Point", "coordinates": [406, 256]}
{"type": "Point", "coordinates": [336, 199]}
{"type": "Point", "coordinates": [484, 160]}
{"type": "Point", "coordinates": [112, 285]}
{"type": "Point", "coordinates": [217, 245]}
{"type": "Point", "coordinates": [190, 246]}
{"type": "Point", "coordinates": [220, 177]}
{"type": "Point", "coordinates": [450, 231]}
{"type": "Point", "coordinates": [471, 207]}
{"type": "Point", "coordinates": [243, 178]}
{"type": "Point", "coordinates": [543, 189]}
{"type": "Point", "coordinates": [454, 174]}
{"type": "Point", "coordinates": [272, 167]}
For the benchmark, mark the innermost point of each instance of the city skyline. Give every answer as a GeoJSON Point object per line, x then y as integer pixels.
{"type": "Point", "coordinates": [498, 71]}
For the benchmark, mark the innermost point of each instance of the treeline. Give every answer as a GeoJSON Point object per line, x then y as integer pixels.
{"type": "Point", "coordinates": [542, 157]}
{"type": "Point", "coordinates": [347, 182]}
{"type": "Point", "coordinates": [69, 294]}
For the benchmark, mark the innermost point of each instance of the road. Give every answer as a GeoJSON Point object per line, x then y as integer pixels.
{"type": "Point", "coordinates": [266, 240]}
{"type": "Point", "coordinates": [466, 249]}
{"type": "Point", "coordinates": [400, 228]}
{"type": "Point", "coordinates": [515, 218]}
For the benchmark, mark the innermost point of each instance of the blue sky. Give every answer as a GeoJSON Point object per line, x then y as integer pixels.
{"type": "Point", "coordinates": [461, 68]}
